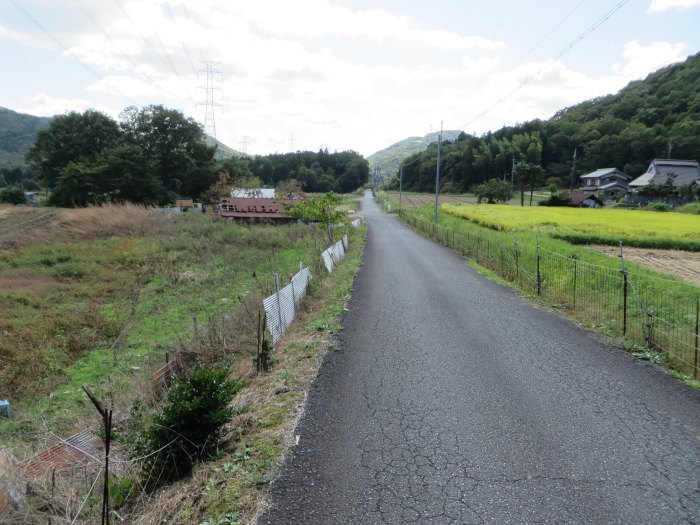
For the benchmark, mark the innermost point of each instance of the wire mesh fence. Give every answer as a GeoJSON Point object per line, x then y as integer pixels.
{"type": "Point", "coordinates": [636, 306]}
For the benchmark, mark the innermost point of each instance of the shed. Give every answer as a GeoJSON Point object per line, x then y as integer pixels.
{"type": "Point", "coordinates": [585, 200]}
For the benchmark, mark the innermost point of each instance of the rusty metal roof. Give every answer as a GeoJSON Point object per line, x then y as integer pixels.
{"type": "Point", "coordinates": [240, 207]}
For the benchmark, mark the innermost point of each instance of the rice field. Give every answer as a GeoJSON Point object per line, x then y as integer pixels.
{"type": "Point", "coordinates": [640, 228]}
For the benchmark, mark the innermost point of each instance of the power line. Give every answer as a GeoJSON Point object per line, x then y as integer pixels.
{"type": "Point", "coordinates": [561, 53]}
{"type": "Point", "coordinates": [162, 56]}
{"type": "Point", "coordinates": [143, 74]}
{"type": "Point", "coordinates": [545, 37]}
{"type": "Point", "coordinates": [68, 51]}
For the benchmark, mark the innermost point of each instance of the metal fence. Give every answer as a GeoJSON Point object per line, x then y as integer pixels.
{"type": "Point", "coordinates": [655, 313]}
{"type": "Point", "coordinates": [333, 255]}
{"type": "Point", "coordinates": [281, 307]}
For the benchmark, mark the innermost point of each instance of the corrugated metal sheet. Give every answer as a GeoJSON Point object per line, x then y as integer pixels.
{"type": "Point", "coordinates": [333, 255]}
{"type": "Point", "coordinates": [162, 378]}
{"type": "Point", "coordinates": [75, 451]}
{"type": "Point", "coordinates": [281, 310]}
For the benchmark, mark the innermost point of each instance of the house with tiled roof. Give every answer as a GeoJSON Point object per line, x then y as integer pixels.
{"type": "Point", "coordinates": [681, 172]}
{"type": "Point", "coordinates": [605, 182]}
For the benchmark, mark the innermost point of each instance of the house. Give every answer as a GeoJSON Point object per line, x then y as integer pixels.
{"type": "Point", "coordinates": [606, 182]}
{"type": "Point", "coordinates": [585, 200]}
{"type": "Point", "coordinates": [681, 171]}
{"type": "Point", "coordinates": [250, 208]}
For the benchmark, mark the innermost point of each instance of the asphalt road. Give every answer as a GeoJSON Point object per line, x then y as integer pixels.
{"type": "Point", "coordinates": [453, 401]}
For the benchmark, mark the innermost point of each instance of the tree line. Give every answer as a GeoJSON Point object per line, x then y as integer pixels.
{"type": "Point", "coordinates": [155, 155]}
{"type": "Point", "coordinates": [658, 117]}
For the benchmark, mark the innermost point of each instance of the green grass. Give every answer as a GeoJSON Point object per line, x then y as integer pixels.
{"type": "Point", "coordinates": [70, 301]}
{"type": "Point", "coordinates": [583, 225]}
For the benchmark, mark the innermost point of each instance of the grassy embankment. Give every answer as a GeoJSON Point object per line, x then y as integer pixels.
{"type": "Point", "coordinates": [587, 284]}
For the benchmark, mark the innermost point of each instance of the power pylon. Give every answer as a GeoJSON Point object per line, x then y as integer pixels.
{"type": "Point", "coordinates": [209, 103]}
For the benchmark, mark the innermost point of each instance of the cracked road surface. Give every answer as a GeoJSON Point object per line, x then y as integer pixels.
{"type": "Point", "coordinates": [453, 401]}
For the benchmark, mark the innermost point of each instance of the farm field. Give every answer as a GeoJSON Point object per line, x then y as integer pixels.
{"type": "Point", "coordinates": [115, 290]}
{"type": "Point", "coordinates": [416, 200]}
{"type": "Point", "coordinates": [682, 264]}
{"type": "Point", "coordinates": [590, 226]}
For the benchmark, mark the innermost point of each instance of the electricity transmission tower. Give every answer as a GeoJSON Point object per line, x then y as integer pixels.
{"type": "Point", "coordinates": [209, 103]}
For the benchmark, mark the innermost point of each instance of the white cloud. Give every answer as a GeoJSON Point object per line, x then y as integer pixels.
{"type": "Point", "coordinates": [659, 6]}
{"type": "Point", "coordinates": [641, 60]}
{"type": "Point", "coordinates": [48, 106]}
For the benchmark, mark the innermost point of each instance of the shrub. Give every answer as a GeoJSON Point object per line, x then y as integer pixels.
{"type": "Point", "coordinates": [692, 208]}
{"type": "Point", "coordinates": [187, 429]}
{"type": "Point", "coordinates": [659, 206]}
{"type": "Point", "coordinates": [13, 194]}
{"type": "Point", "coordinates": [559, 199]}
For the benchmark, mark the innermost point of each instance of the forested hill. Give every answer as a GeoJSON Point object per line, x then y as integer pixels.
{"type": "Point", "coordinates": [625, 130]}
{"type": "Point", "coordinates": [387, 161]}
{"type": "Point", "coordinates": [17, 134]}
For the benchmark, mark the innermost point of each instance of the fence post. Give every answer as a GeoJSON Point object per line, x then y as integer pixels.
{"type": "Point", "coordinates": [539, 275]}
{"type": "Point", "coordinates": [294, 296]}
{"type": "Point", "coordinates": [279, 303]}
{"type": "Point", "coordinates": [697, 327]}
{"type": "Point", "coordinates": [517, 265]}
{"type": "Point", "coordinates": [650, 329]}
{"type": "Point", "coordinates": [573, 257]}
{"type": "Point", "coordinates": [624, 291]}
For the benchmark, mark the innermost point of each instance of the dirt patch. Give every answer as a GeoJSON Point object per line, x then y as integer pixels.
{"type": "Point", "coordinates": [685, 265]}
{"type": "Point", "coordinates": [13, 282]}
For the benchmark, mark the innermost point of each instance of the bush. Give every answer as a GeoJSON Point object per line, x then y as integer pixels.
{"type": "Point", "coordinates": [691, 207]}
{"type": "Point", "coordinates": [560, 199]}
{"type": "Point", "coordinates": [659, 206]}
{"type": "Point", "coordinates": [188, 429]}
{"type": "Point", "coordinates": [13, 194]}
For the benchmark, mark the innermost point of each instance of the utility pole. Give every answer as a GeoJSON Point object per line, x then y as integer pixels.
{"type": "Point", "coordinates": [437, 175]}
{"type": "Point", "coordinates": [573, 170]}
{"type": "Point", "coordinates": [512, 173]}
{"type": "Point", "coordinates": [209, 102]}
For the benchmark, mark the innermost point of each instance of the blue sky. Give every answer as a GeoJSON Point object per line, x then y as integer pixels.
{"type": "Point", "coordinates": [341, 74]}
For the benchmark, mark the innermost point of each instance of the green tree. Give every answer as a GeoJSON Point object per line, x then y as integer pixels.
{"type": "Point", "coordinates": [494, 191]}
{"type": "Point", "coordinates": [321, 212]}
{"type": "Point", "coordinates": [187, 429]}
{"type": "Point", "coordinates": [13, 194]}
{"type": "Point", "coordinates": [74, 137]}
{"type": "Point", "coordinates": [173, 145]}
{"type": "Point", "coordinates": [528, 175]}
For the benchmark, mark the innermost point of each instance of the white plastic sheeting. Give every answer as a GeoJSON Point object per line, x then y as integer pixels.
{"type": "Point", "coordinates": [281, 307]}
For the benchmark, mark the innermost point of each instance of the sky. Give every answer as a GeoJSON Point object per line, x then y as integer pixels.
{"type": "Point", "coordinates": [287, 75]}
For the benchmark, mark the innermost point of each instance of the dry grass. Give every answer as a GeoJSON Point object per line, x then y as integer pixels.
{"type": "Point", "coordinates": [21, 226]}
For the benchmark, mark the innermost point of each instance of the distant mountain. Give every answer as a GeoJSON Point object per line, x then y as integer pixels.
{"type": "Point", "coordinates": [387, 161]}
{"type": "Point", "coordinates": [17, 134]}
{"type": "Point", "coordinates": [222, 150]}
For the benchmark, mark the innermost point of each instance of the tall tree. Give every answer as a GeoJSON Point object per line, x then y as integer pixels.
{"type": "Point", "coordinates": [173, 145]}
{"type": "Point", "coordinates": [74, 137]}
